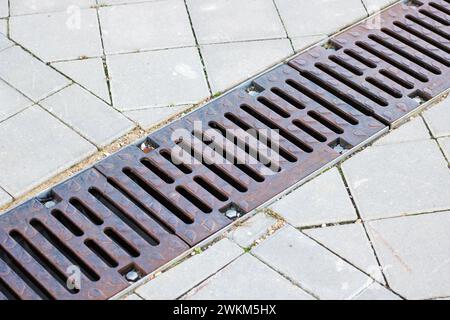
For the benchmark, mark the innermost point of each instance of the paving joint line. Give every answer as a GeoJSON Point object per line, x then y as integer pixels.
{"type": "Point", "coordinates": [283, 24]}
{"type": "Point", "coordinates": [436, 139]}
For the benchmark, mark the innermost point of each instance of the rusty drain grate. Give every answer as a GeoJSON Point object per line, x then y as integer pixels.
{"type": "Point", "coordinates": [91, 236]}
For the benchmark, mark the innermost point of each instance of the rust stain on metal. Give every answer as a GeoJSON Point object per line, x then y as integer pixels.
{"type": "Point", "coordinates": [143, 206]}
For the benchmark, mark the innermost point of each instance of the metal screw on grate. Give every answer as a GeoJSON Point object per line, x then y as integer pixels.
{"type": "Point", "coordinates": [140, 208]}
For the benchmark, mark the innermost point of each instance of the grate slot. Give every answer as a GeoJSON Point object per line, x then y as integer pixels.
{"type": "Point", "coordinates": [390, 75]}
{"type": "Point", "coordinates": [101, 253]}
{"type": "Point", "coordinates": [121, 242]}
{"type": "Point", "coordinates": [440, 8]}
{"type": "Point", "coordinates": [360, 58]}
{"type": "Point", "coordinates": [64, 250]}
{"type": "Point", "coordinates": [181, 166]}
{"type": "Point", "coordinates": [324, 121]}
{"type": "Point", "coordinates": [273, 107]}
{"type": "Point", "coordinates": [344, 64]}
{"type": "Point", "coordinates": [425, 25]}
{"type": "Point", "coordinates": [435, 17]}
{"type": "Point", "coordinates": [288, 98]}
{"type": "Point", "coordinates": [194, 199]}
{"type": "Point", "coordinates": [380, 85]}
{"type": "Point", "coordinates": [24, 275]}
{"type": "Point", "coordinates": [67, 223]}
{"type": "Point", "coordinates": [422, 36]}
{"type": "Point", "coordinates": [86, 211]}
{"type": "Point", "coordinates": [149, 164]}
{"type": "Point", "coordinates": [7, 292]}
{"type": "Point", "coordinates": [208, 186]}
{"type": "Point", "coordinates": [313, 133]}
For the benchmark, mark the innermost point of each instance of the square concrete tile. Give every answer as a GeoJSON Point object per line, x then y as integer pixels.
{"type": "Point", "coordinates": [445, 145]}
{"type": "Point", "coordinates": [235, 20]}
{"type": "Point", "coordinates": [438, 119]}
{"type": "Point", "coordinates": [4, 10]}
{"type": "Point", "coordinates": [4, 26]}
{"type": "Point", "coordinates": [35, 146]}
{"type": "Point", "coordinates": [413, 130]}
{"type": "Point", "coordinates": [177, 281]}
{"type": "Point", "coordinates": [30, 76]}
{"type": "Point", "coordinates": [5, 42]}
{"type": "Point", "coordinates": [12, 101]}
{"type": "Point", "coordinates": [399, 179]}
{"type": "Point", "coordinates": [415, 254]}
{"type": "Point", "coordinates": [5, 198]}
{"type": "Point", "coordinates": [247, 59]}
{"type": "Point", "coordinates": [157, 79]}
{"type": "Point", "coordinates": [59, 35]}
{"type": "Point", "coordinates": [374, 6]}
{"type": "Point", "coordinates": [301, 43]}
{"type": "Point", "coordinates": [246, 233]}
{"type": "Point", "coordinates": [309, 18]}
{"type": "Point", "coordinates": [89, 73]}
{"type": "Point", "coordinates": [247, 278]}
{"type": "Point", "coordinates": [112, 2]}
{"type": "Point", "coordinates": [322, 200]}
{"type": "Point", "coordinates": [311, 266]}
{"type": "Point", "coordinates": [147, 118]}
{"type": "Point", "coordinates": [89, 116]}
{"type": "Point", "coordinates": [19, 7]}
{"type": "Point", "coordinates": [145, 26]}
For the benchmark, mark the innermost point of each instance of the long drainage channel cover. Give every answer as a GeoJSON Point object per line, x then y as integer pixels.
{"type": "Point", "coordinates": [93, 235]}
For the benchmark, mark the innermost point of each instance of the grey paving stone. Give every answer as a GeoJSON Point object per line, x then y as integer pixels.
{"type": "Point", "coordinates": [322, 200]}
{"type": "Point", "coordinates": [247, 278]}
{"type": "Point", "coordinates": [89, 73]}
{"type": "Point", "coordinates": [147, 118]}
{"type": "Point", "coordinates": [158, 78]}
{"type": "Point", "coordinates": [445, 145]}
{"type": "Point", "coordinates": [374, 6]}
{"type": "Point", "coordinates": [235, 20]}
{"type": "Point", "coordinates": [179, 280]}
{"type": "Point", "coordinates": [350, 242]}
{"type": "Point", "coordinates": [414, 253]}
{"type": "Point", "coordinates": [34, 146]}
{"type": "Point", "coordinates": [59, 35]}
{"type": "Point", "coordinates": [399, 179]}
{"type": "Point", "coordinates": [4, 10]}
{"type": "Point", "coordinates": [19, 7]}
{"type": "Point", "coordinates": [5, 198]}
{"type": "Point", "coordinates": [309, 18]}
{"type": "Point", "coordinates": [252, 229]}
{"type": "Point", "coordinates": [247, 59]}
{"type": "Point", "coordinates": [302, 43]}
{"type": "Point", "coordinates": [438, 119]}
{"type": "Point", "coordinates": [145, 26]}
{"type": "Point", "coordinates": [112, 2]}
{"type": "Point", "coordinates": [313, 267]}
{"type": "Point", "coordinates": [5, 42]}
{"type": "Point", "coordinates": [88, 115]}
{"type": "Point", "coordinates": [377, 292]}
{"type": "Point", "coordinates": [133, 297]}
{"type": "Point", "coordinates": [3, 26]}
{"type": "Point", "coordinates": [413, 130]}
{"type": "Point", "coordinates": [29, 75]}
{"type": "Point", "coordinates": [12, 101]}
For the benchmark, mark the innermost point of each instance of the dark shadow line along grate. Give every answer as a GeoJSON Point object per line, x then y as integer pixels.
{"type": "Point", "coordinates": [140, 208]}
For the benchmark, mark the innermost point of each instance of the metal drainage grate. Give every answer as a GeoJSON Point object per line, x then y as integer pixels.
{"type": "Point", "coordinates": [93, 235]}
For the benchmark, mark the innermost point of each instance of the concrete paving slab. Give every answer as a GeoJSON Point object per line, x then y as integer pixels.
{"type": "Point", "coordinates": [413, 130]}
{"type": "Point", "coordinates": [252, 229]}
{"type": "Point", "coordinates": [247, 59]}
{"type": "Point", "coordinates": [147, 118]}
{"type": "Point", "coordinates": [29, 75]}
{"type": "Point", "coordinates": [133, 297]}
{"type": "Point", "coordinates": [322, 200]}
{"type": "Point", "coordinates": [59, 35]}
{"type": "Point", "coordinates": [177, 281]}
{"type": "Point", "coordinates": [374, 6]}
{"type": "Point", "coordinates": [329, 16]}
{"type": "Point", "coordinates": [146, 26]}
{"type": "Point", "coordinates": [399, 179]}
{"type": "Point", "coordinates": [5, 42]}
{"type": "Point", "coordinates": [414, 253]}
{"type": "Point", "coordinates": [89, 116]}
{"type": "Point", "coordinates": [377, 292]}
{"type": "Point", "coordinates": [247, 278]}
{"type": "Point", "coordinates": [4, 26]}
{"type": "Point", "coordinates": [350, 242]}
{"type": "Point", "coordinates": [438, 119]}
{"type": "Point", "coordinates": [5, 198]}
{"type": "Point", "coordinates": [217, 21]}
{"type": "Point", "coordinates": [12, 101]}
{"type": "Point", "coordinates": [35, 146]}
{"type": "Point", "coordinates": [302, 43]}
{"type": "Point", "coordinates": [445, 145]}
{"type": "Point", "coordinates": [19, 7]}
{"type": "Point", "coordinates": [310, 265]}
{"type": "Point", "coordinates": [89, 73]}
{"type": "Point", "coordinates": [4, 8]}
{"type": "Point", "coordinates": [157, 79]}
